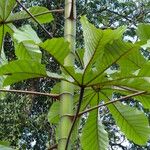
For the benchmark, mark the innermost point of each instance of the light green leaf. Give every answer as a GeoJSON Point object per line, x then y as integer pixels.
{"type": "Point", "coordinates": [42, 14]}
{"type": "Point", "coordinates": [134, 59]}
{"type": "Point", "coordinates": [95, 40]}
{"type": "Point", "coordinates": [128, 81]}
{"type": "Point", "coordinates": [143, 31]}
{"type": "Point", "coordinates": [26, 33]}
{"type": "Point", "coordinates": [58, 49]}
{"type": "Point", "coordinates": [20, 70]}
{"type": "Point", "coordinates": [76, 74]}
{"type": "Point", "coordinates": [27, 47]}
{"type": "Point", "coordinates": [93, 135]}
{"type": "Point", "coordinates": [53, 114]}
{"type": "Point", "coordinates": [1, 36]}
{"type": "Point", "coordinates": [56, 88]}
{"type": "Point", "coordinates": [56, 76]}
{"type": "Point", "coordinates": [145, 100]}
{"type": "Point", "coordinates": [27, 50]}
{"type": "Point", "coordinates": [113, 53]}
{"type": "Point", "coordinates": [79, 56]}
{"type": "Point", "coordinates": [24, 69]}
{"type": "Point", "coordinates": [6, 6]}
{"type": "Point", "coordinates": [91, 39]}
{"type": "Point", "coordinates": [3, 30]}
{"type": "Point", "coordinates": [132, 122]}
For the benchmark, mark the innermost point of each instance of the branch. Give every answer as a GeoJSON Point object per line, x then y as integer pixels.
{"type": "Point", "coordinates": [113, 101]}
{"type": "Point", "coordinates": [125, 88]}
{"type": "Point", "coordinates": [76, 116]}
{"type": "Point", "coordinates": [56, 96]}
{"type": "Point", "coordinates": [39, 14]}
{"type": "Point", "coordinates": [49, 34]}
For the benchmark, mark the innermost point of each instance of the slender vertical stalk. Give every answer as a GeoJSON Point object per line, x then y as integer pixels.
{"type": "Point", "coordinates": [67, 89]}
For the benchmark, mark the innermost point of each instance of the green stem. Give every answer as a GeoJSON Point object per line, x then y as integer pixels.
{"type": "Point", "coordinates": [67, 89]}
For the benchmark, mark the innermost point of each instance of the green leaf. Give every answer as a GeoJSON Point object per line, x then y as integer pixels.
{"type": "Point", "coordinates": [76, 74]}
{"type": "Point", "coordinates": [24, 69]}
{"type": "Point", "coordinates": [3, 30]}
{"type": "Point", "coordinates": [79, 56]}
{"type": "Point", "coordinates": [27, 50]}
{"type": "Point", "coordinates": [56, 88]}
{"type": "Point", "coordinates": [42, 14]}
{"type": "Point", "coordinates": [134, 59]}
{"type": "Point", "coordinates": [58, 49]}
{"type": "Point", "coordinates": [57, 76]}
{"type": "Point", "coordinates": [26, 33]}
{"type": "Point", "coordinates": [145, 100]}
{"type": "Point", "coordinates": [132, 122]}
{"type": "Point", "coordinates": [93, 135]}
{"type": "Point", "coordinates": [20, 70]}
{"type": "Point", "coordinates": [95, 40]}
{"type": "Point", "coordinates": [27, 47]}
{"type": "Point", "coordinates": [1, 36]}
{"type": "Point", "coordinates": [53, 114]}
{"type": "Point", "coordinates": [128, 81]}
{"type": "Point", "coordinates": [91, 39]}
{"type": "Point", "coordinates": [143, 31]}
{"type": "Point", "coordinates": [6, 6]}
{"type": "Point", "coordinates": [113, 53]}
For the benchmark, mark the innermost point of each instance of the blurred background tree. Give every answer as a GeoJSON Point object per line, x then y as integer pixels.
{"type": "Point", "coordinates": [23, 118]}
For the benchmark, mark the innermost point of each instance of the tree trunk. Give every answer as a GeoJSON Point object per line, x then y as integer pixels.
{"type": "Point", "coordinates": [67, 89]}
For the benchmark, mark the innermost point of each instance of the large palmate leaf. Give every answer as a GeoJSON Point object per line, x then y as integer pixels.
{"type": "Point", "coordinates": [20, 70]}
{"type": "Point", "coordinates": [113, 53]}
{"type": "Point", "coordinates": [58, 49]}
{"type": "Point", "coordinates": [42, 14]}
{"type": "Point", "coordinates": [94, 137]}
{"type": "Point", "coordinates": [27, 50]}
{"type": "Point", "coordinates": [27, 47]}
{"type": "Point", "coordinates": [132, 122]}
{"type": "Point", "coordinates": [138, 80]}
{"type": "Point", "coordinates": [95, 41]}
{"type": "Point", "coordinates": [103, 48]}
{"type": "Point", "coordinates": [24, 69]}
{"type": "Point", "coordinates": [132, 61]}
{"type": "Point", "coordinates": [26, 33]}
